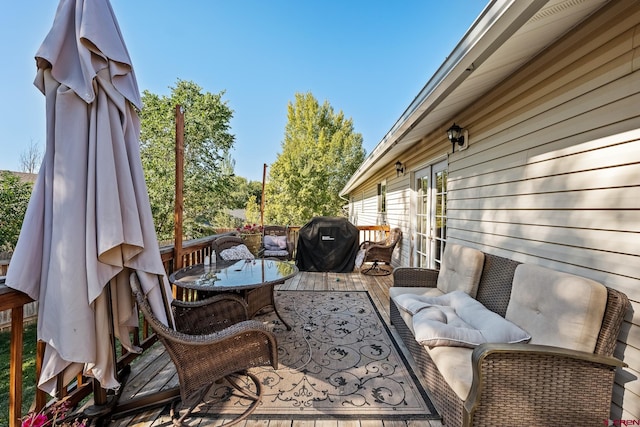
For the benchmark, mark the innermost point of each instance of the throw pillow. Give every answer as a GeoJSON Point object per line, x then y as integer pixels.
{"type": "Point", "coordinates": [236, 252]}
{"type": "Point", "coordinates": [441, 326]}
{"type": "Point", "coordinates": [275, 243]}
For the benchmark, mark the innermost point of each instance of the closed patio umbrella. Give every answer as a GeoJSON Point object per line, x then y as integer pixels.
{"type": "Point", "coordinates": [89, 219]}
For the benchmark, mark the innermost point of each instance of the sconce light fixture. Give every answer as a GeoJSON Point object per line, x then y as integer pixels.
{"type": "Point", "coordinates": [456, 135]}
{"type": "Point", "coordinates": [399, 168]}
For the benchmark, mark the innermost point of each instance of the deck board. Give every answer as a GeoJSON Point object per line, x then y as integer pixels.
{"type": "Point", "coordinates": [153, 371]}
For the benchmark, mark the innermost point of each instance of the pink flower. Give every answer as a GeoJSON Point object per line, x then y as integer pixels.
{"type": "Point", "coordinates": [250, 229]}
{"type": "Point", "coordinates": [35, 420]}
{"type": "Point", "coordinates": [52, 416]}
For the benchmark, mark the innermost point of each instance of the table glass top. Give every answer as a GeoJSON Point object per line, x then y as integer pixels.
{"type": "Point", "coordinates": [234, 274]}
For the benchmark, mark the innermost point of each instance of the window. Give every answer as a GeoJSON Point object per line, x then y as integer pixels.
{"type": "Point", "coordinates": [382, 197]}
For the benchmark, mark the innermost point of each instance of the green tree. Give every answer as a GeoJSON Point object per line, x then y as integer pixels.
{"type": "Point", "coordinates": [207, 166]}
{"type": "Point", "coordinates": [252, 211]}
{"type": "Point", "coordinates": [242, 190]}
{"type": "Point", "coordinates": [14, 199]}
{"type": "Point", "coordinates": [319, 154]}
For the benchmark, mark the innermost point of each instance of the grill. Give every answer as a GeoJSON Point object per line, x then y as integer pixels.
{"type": "Point", "coordinates": [327, 244]}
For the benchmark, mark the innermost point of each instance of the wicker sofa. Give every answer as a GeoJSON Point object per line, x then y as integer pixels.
{"type": "Point", "coordinates": [514, 384]}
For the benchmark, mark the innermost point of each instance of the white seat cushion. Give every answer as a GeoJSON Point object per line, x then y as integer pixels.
{"type": "Point", "coordinates": [556, 308]}
{"type": "Point", "coordinates": [275, 243]}
{"type": "Point", "coordinates": [396, 291]}
{"type": "Point", "coordinates": [460, 270]}
{"type": "Point", "coordinates": [454, 364]}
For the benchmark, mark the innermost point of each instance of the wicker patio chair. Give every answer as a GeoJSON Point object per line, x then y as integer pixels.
{"type": "Point", "coordinates": [379, 254]}
{"type": "Point", "coordinates": [212, 340]}
{"type": "Point", "coordinates": [257, 298]}
{"type": "Point", "coordinates": [276, 242]}
{"type": "Point", "coordinates": [225, 242]}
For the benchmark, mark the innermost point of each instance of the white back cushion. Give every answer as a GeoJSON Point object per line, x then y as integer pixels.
{"type": "Point", "coordinates": [456, 319]}
{"type": "Point", "coordinates": [460, 270]}
{"type": "Point", "coordinates": [397, 291]}
{"type": "Point", "coordinates": [557, 308]}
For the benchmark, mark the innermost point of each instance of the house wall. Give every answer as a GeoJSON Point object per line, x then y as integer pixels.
{"type": "Point", "coordinates": [363, 210]}
{"type": "Point", "coordinates": [552, 172]}
{"type": "Point", "coordinates": [552, 176]}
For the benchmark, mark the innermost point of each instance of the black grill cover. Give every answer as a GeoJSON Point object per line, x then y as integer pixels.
{"type": "Point", "coordinates": [327, 244]}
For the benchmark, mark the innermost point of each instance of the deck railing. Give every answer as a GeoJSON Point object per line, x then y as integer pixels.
{"type": "Point", "coordinates": [192, 252]}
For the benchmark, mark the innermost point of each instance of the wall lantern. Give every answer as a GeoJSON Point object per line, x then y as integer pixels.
{"type": "Point", "coordinates": [456, 136]}
{"type": "Point", "coordinates": [399, 168]}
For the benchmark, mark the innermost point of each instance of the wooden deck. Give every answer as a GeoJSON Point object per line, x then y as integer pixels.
{"type": "Point", "coordinates": [154, 368]}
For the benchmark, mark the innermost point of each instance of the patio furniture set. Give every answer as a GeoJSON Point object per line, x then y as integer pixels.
{"type": "Point", "coordinates": [552, 365]}
{"type": "Point", "coordinates": [231, 292]}
{"type": "Point", "coordinates": [495, 341]}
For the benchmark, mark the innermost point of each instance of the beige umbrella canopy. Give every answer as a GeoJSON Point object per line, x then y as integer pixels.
{"type": "Point", "coordinates": [89, 220]}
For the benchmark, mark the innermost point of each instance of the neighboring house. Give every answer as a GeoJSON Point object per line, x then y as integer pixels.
{"type": "Point", "coordinates": [239, 214]}
{"type": "Point", "coordinates": [548, 93]}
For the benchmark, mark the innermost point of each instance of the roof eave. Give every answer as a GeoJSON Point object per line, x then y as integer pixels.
{"type": "Point", "coordinates": [497, 22]}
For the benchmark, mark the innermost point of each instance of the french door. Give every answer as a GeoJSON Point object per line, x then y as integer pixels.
{"type": "Point", "coordinates": [430, 221]}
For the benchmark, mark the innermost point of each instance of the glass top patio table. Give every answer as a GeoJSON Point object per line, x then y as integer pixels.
{"type": "Point", "coordinates": [233, 275]}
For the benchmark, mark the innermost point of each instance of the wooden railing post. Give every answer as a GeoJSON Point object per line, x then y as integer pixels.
{"type": "Point", "coordinates": [179, 207]}
{"type": "Point", "coordinates": [15, 370]}
{"type": "Point", "coordinates": [41, 396]}
{"type": "Point", "coordinates": [14, 301]}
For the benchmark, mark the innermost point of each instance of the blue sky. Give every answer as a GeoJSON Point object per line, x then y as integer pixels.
{"type": "Point", "coordinates": [368, 58]}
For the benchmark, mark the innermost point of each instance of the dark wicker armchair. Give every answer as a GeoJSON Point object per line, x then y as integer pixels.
{"type": "Point", "coordinates": [212, 340]}
{"type": "Point", "coordinates": [225, 242]}
{"type": "Point", "coordinates": [276, 242]}
{"type": "Point", "coordinates": [379, 254]}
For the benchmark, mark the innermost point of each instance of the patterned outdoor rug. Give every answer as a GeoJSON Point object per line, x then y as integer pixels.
{"type": "Point", "coordinates": [339, 361]}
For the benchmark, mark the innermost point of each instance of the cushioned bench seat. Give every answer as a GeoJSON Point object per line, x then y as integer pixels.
{"type": "Point", "coordinates": [572, 323]}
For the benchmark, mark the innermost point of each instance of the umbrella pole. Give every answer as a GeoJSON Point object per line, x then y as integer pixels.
{"type": "Point", "coordinates": [264, 176]}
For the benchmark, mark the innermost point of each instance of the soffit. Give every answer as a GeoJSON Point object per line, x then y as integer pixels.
{"type": "Point", "coordinates": [511, 36]}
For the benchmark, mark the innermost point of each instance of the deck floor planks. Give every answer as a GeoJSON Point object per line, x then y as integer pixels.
{"type": "Point", "coordinates": [154, 376]}
{"type": "Point", "coordinates": [378, 287]}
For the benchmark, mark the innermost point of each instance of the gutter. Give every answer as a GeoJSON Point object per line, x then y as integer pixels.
{"type": "Point", "coordinates": [495, 25]}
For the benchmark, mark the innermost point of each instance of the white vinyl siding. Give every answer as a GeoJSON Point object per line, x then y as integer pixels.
{"type": "Point", "coordinates": [552, 176]}
{"type": "Point", "coordinates": [398, 215]}
{"type": "Point", "coordinates": [364, 210]}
